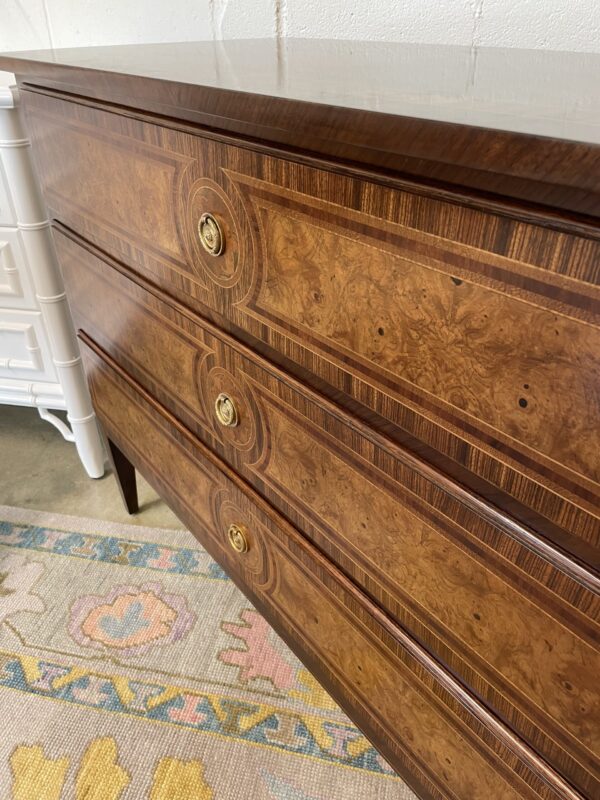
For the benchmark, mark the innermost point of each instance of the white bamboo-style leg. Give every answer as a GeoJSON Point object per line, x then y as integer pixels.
{"type": "Point", "coordinates": [36, 238]}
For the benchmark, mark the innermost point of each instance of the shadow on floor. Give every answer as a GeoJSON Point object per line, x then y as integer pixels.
{"type": "Point", "coordinates": [38, 469]}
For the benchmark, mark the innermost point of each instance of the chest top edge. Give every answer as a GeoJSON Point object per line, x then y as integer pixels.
{"type": "Point", "coordinates": [356, 103]}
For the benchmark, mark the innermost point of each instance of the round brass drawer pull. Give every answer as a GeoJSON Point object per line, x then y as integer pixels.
{"type": "Point", "coordinates": [238, 539]}
{"type": "Point", "coordinates": [211, 235]}
{"type": "Point", "coordinates": [226, 411]}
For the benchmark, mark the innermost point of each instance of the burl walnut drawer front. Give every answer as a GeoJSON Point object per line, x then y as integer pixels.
{"type": "Point", "coordinates": [469, 336]}
{"type": "Point", "coordinates": [429, 729]}
{"type": "Point", "coordinates": [517, 629]}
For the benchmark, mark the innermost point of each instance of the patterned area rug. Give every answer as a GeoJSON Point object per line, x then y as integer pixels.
{"type": "Point", "coordinates": [131, 667]}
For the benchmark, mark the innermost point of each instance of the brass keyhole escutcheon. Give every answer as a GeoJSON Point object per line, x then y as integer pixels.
{"type": "Point", "coordinates": [211, 235]}
{"type": "Point", "coordinates": [238, 539]}
{"type": "Point", "coordinates": [226, 411]}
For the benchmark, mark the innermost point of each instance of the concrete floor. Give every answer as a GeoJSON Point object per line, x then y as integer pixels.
{"type": "Point", "coordinates": [38, 469]}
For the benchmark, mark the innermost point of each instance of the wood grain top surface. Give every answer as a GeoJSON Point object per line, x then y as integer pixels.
{"type": "Point", "coordinates": [545, 93]}
{"type": "Point", "coordinates": [515, 123]}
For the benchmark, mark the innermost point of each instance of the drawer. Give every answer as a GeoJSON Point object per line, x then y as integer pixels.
{"type": "Point", "coordinates": [471, 586]}
{"type": "Point", "coordinates": [24, 350]}
{"type": "Point", "coordinates": [430, 730]}
{"type": "Point", "coordinates": [16, 288]}
{"type": "Point", "coordinates": [469, 337]}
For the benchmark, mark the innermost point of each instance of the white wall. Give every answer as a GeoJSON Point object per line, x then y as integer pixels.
{"type": "Point", "coordinates": [546, 24]}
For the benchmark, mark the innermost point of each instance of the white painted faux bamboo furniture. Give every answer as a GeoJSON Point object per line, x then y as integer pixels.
{"type": "Point", "coordinates": [40, 364]}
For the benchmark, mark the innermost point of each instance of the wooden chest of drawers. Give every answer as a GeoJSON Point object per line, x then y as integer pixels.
{"type": "Point", "coordinates": [358, 353]}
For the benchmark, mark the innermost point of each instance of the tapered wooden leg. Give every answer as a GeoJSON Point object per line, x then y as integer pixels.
{"type": "Point", "coordinates": [125, 475]}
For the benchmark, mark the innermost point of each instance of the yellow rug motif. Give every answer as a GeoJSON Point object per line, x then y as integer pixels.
{"type": "Point", "coordinates": [100, 777]}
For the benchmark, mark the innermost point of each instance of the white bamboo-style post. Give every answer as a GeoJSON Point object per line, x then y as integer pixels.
{"type": "Point", "coordinates": [37, 246]}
